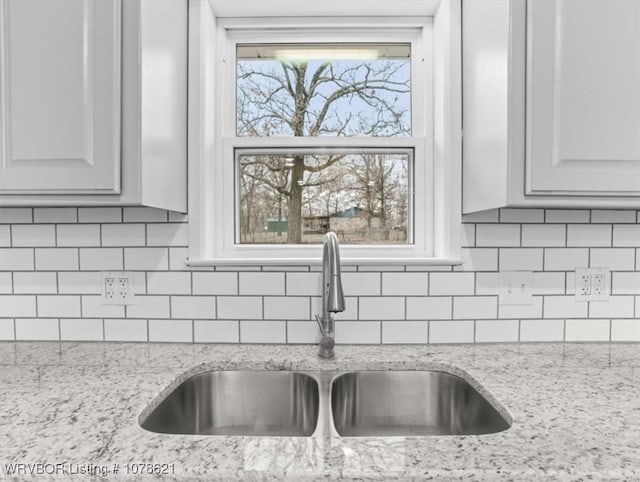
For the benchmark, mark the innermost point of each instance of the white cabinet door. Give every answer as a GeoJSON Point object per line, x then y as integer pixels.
{"type": "Point", "coordinates": [60, 96]}
{"type": "Point", "coordinates": [583, 97]}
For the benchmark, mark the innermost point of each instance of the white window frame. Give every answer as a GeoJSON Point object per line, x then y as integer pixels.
{"type": "Point", "coordinates": [213, 141]}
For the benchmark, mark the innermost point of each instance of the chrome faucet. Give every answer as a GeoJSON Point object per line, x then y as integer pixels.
{"type": "Point", "coordinates": [332, 296]}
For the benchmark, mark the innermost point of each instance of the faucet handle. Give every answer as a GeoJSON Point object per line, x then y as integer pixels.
{"type": "Point", "coordinates": [322, 330]}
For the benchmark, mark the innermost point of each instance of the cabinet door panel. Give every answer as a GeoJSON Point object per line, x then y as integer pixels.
{"type": "Point", "coordinates": [60, 96]}
{"type": "Point", "coordinates": [583, 97]}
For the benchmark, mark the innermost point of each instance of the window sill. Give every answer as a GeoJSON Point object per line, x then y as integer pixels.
{"type": "Point", "coordinates": [345, 261]}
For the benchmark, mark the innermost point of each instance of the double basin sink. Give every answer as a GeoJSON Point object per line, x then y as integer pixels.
{"type": "Point", "coordinates": [347, 404]}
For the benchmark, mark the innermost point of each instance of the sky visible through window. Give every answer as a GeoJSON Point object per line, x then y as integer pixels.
{"type": "Point", "coordinates": [294, 198]}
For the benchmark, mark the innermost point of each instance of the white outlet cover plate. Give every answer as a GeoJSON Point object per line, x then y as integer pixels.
{"type": "Point", "coordinates": [515, 288]}
{"type": "Point", "coordinates": [115, 298]}
{"type": "Point", "coordinates": [595, 294]}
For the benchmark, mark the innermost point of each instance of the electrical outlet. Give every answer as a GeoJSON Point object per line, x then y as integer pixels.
{"type": "Point", "coordinates": [592, 284]}
{"type": "Point", "coordinates": [516, 288]}
{"type": "Point", "coordinates": [117, 288]}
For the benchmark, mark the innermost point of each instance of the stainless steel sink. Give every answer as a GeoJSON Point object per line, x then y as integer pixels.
{"type": "Point", "coordinates": [410, 403]}
{"type": "Point", "coordinates": [262, 403]}
{"type": "Point", "coordinates": [353, 404]}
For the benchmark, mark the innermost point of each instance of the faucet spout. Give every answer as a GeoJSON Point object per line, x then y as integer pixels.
{"type": "Point", "coordinates": [332, 294]}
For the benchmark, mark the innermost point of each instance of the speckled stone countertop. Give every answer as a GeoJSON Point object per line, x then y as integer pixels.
{"type": "Point", "coordinates": [575, 411]}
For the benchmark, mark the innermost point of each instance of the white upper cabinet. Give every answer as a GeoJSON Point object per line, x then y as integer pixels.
{"type": "Point", "coordinates": [583, 97]}
{"type": "Point", "coordinates": [60, 100]}
{"type": "Point", "coordinates": [93, 103]}
{"type": "Point", "coordinates": [551, 96]}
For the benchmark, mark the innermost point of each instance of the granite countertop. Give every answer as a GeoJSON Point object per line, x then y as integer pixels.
{"type": "Point", "coordinates": [575, 411]}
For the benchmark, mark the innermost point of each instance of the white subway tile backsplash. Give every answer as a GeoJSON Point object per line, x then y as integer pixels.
{"type": "Point", "coordinates": [549, 283]}
{"type": "Point", "coordinates": [478, 259]}
{"type": "Point", "coordinates": [149, 307]}
{"type": "Point", "coordinates": [589, 235]}
{"type": "Point", "coordinates": [304, 284]}
{"type": "Point", "coordinates": [81, 329]}
{"type": "Point", "coordinates": [78, 235]}
{"type": "Point", "coordinates": [79, 282]}
{"type": "Point", "coordinates": [101, 259]}
{"type": "Point", "coordinates": [489, 216]}
{"type": "Point", "coordinates": [92, 307]}
{"type": "Point", "coordinates": [405, 332]}
{"type": "Point", "coordinates": [361, 284]}
{"type": "Point", "coordinates": [612, 258]}
{"type": "Point", "coordinates": [35, 282]}
{"type": "Point", "coordinates": [203, 307]}
{"type": "Point", "coordinates": [544, 235]}
{"type": "Point", "coordinates": [55, 215]}
{"type": "Point", "coordinates": [626, 235]}
{"type": "Point", "coordinates": [210, 283]}
{"type": "Point", "coordinates": [56, 259]}
{"type": "Point", "coordinates": [261, 283]}
{"type": "Point", "coordinates": [587, 330]}
{"type": "Point", "coordinates": [475, 307]}
{"type": "Point", "coordinates": [529, 259]}
{"type": "Point", "coordinates": [521, 215]}
{"type": "Point", "coordinates": [16, 259]}
{"type": "Point", "coordinates": [567, 259]}
{"type": "Point", "coordinates": [239, 307]}
{"type": "Point", "coordinates": [123, 235]}
{"type": "Point", "coordinates": [567, 216]}
{"type": "Point", "coordinates": [564, 307]}
{"type": "Point", "coordinates": [495, 235]}
{"type": "Point", "coordinates": [175, 217]}
{"type": "Point", "coordinates": [143, 215]}
{"type": "Point", "coordinates": [625, 330]}
{"type": "Point", "coordinates": [273, 304]}
{"type": "Point", "coordinates": [17, 306]}
{"type": "Point", "coordinates": [261, 331]}
{"type": "Point", "coordinates": [167, 234]}
{"type": "Point", "coordinates": [612, 216]}
{"type": "Point", "coordinates": [286, 308]}
{"type": "Point", "coordinates": [451, 284]}
{"type": "Point", "coordinates": [147, 259]}
{"type": "Point", "coordinates": [381, 308]}
{"type": "Point", "coordinates": [614, 307]}
{"type": "Point", "coordinates": [7, 329]}
{"type": "Point", "coordinates": [15, 215]}
{"type": "Point", "coordinates": [622, 283]}
{"type": "Point", "coordinates": [216, 331]}
{"type": "Point", "coordinates": [125, 330]}
{"type": "Point", "coordinates": [356, 332]}
{"type": "Point", "coordinates": [167, 283]}
{"type": "Point", "coordinates": [541, 330]}
{"type": "Point", "coordinates": [468, 235]}
{"type": "Point", "coordinates": [490, 331]}
{"type": "Point", "coordinates": [405, 284]}
{"type": "Point", "coordinates": [99, 215]}
{"type": "Point", "coordinates": [302, 332]}
{"type": "Point", "coordinates": [37, 329]}
{"type": "Point", "coordinates": [179, 331]}
{"type": "Point", "coordinates": [451, 331]}
{"type": "Point", "coordinates": [31, 235]}
{"type": "Point", "coordinates": [6, 282]}
{"type": "Point", "coordinates": [487, 283]}
{"type": "Point", "coordinates": [58, 306]}
{"type": "Point", "coordinates": [178, 258]}
{"type": "Point", "coordinates": [534, 310]}
{"type": "Point", "coordinates": [5, 235]}
{"type": "Point", "coordinates": [429, 308]}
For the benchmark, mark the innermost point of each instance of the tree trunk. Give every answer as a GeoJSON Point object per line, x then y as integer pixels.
{"type": "Point", "coordinates": [294, 228]}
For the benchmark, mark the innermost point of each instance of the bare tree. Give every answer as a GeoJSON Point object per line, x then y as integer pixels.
{"type": "Point", "coordinates": [301, 98]}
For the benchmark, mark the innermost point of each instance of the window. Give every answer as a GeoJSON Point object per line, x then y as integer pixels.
{"type": "Point", "coordinates": [315, 124]}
